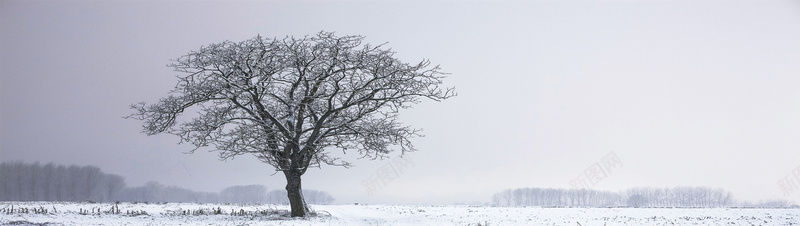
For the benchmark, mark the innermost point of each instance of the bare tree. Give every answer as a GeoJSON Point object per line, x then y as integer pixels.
{"type": "Point", "coordinates": [114, 184]}
{"type": "Point", "coordinates": [285, 100]}
{"type": "Point", "coordinates": [318, 197]}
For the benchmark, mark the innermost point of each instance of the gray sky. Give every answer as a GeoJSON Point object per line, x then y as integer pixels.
{"type": "Point", "coordinates": [685, 93]}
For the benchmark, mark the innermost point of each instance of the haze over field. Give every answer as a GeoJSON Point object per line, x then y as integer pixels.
{"type": "Point", "coordinates": [654, 94]}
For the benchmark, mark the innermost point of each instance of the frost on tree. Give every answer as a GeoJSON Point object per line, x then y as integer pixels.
{"type": "Point", "coordinates": [285, 100]}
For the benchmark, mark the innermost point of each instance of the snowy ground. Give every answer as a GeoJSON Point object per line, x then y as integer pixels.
{"type": "Point", "coordinates": [215, 214]}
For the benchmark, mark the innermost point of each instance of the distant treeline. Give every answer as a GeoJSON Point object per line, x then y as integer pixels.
{"type": "Point", "coordinates": [21, 181]}
{"type": "Point", "coordinates": [636, 197]}
{"type": "Point", "coordinates": [155, 192]}
{"type": "Point", "coordinates": [33, 182]}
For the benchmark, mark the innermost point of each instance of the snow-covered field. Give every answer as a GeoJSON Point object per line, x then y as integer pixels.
{"type": "Point", "coordinates": [49, 213]}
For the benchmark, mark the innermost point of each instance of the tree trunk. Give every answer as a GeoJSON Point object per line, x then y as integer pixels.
{"type": "Point", "coordinates": [295, 192]}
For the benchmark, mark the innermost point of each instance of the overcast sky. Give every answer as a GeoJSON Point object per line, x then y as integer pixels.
{"type": "Point", "coordinates": [684, 93]}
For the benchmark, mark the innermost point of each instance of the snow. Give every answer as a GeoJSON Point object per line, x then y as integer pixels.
{"type": "Point", "coordinates": [60, 213]}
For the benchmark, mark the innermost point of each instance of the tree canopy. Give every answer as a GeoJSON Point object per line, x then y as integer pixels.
{"type": "Point", "coordinates": [286, 100]}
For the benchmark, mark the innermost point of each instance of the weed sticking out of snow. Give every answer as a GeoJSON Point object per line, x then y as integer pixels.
{"type": "Point", "coordinates": [27, 223]}
{"type": "Point", "coordinates": [60, 213]}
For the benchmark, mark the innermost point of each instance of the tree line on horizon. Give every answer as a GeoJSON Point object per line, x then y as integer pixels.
{"type": "Point", "coordinates": [684, 196]}
{"type": "Point", "coordinates": [21, 181]}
